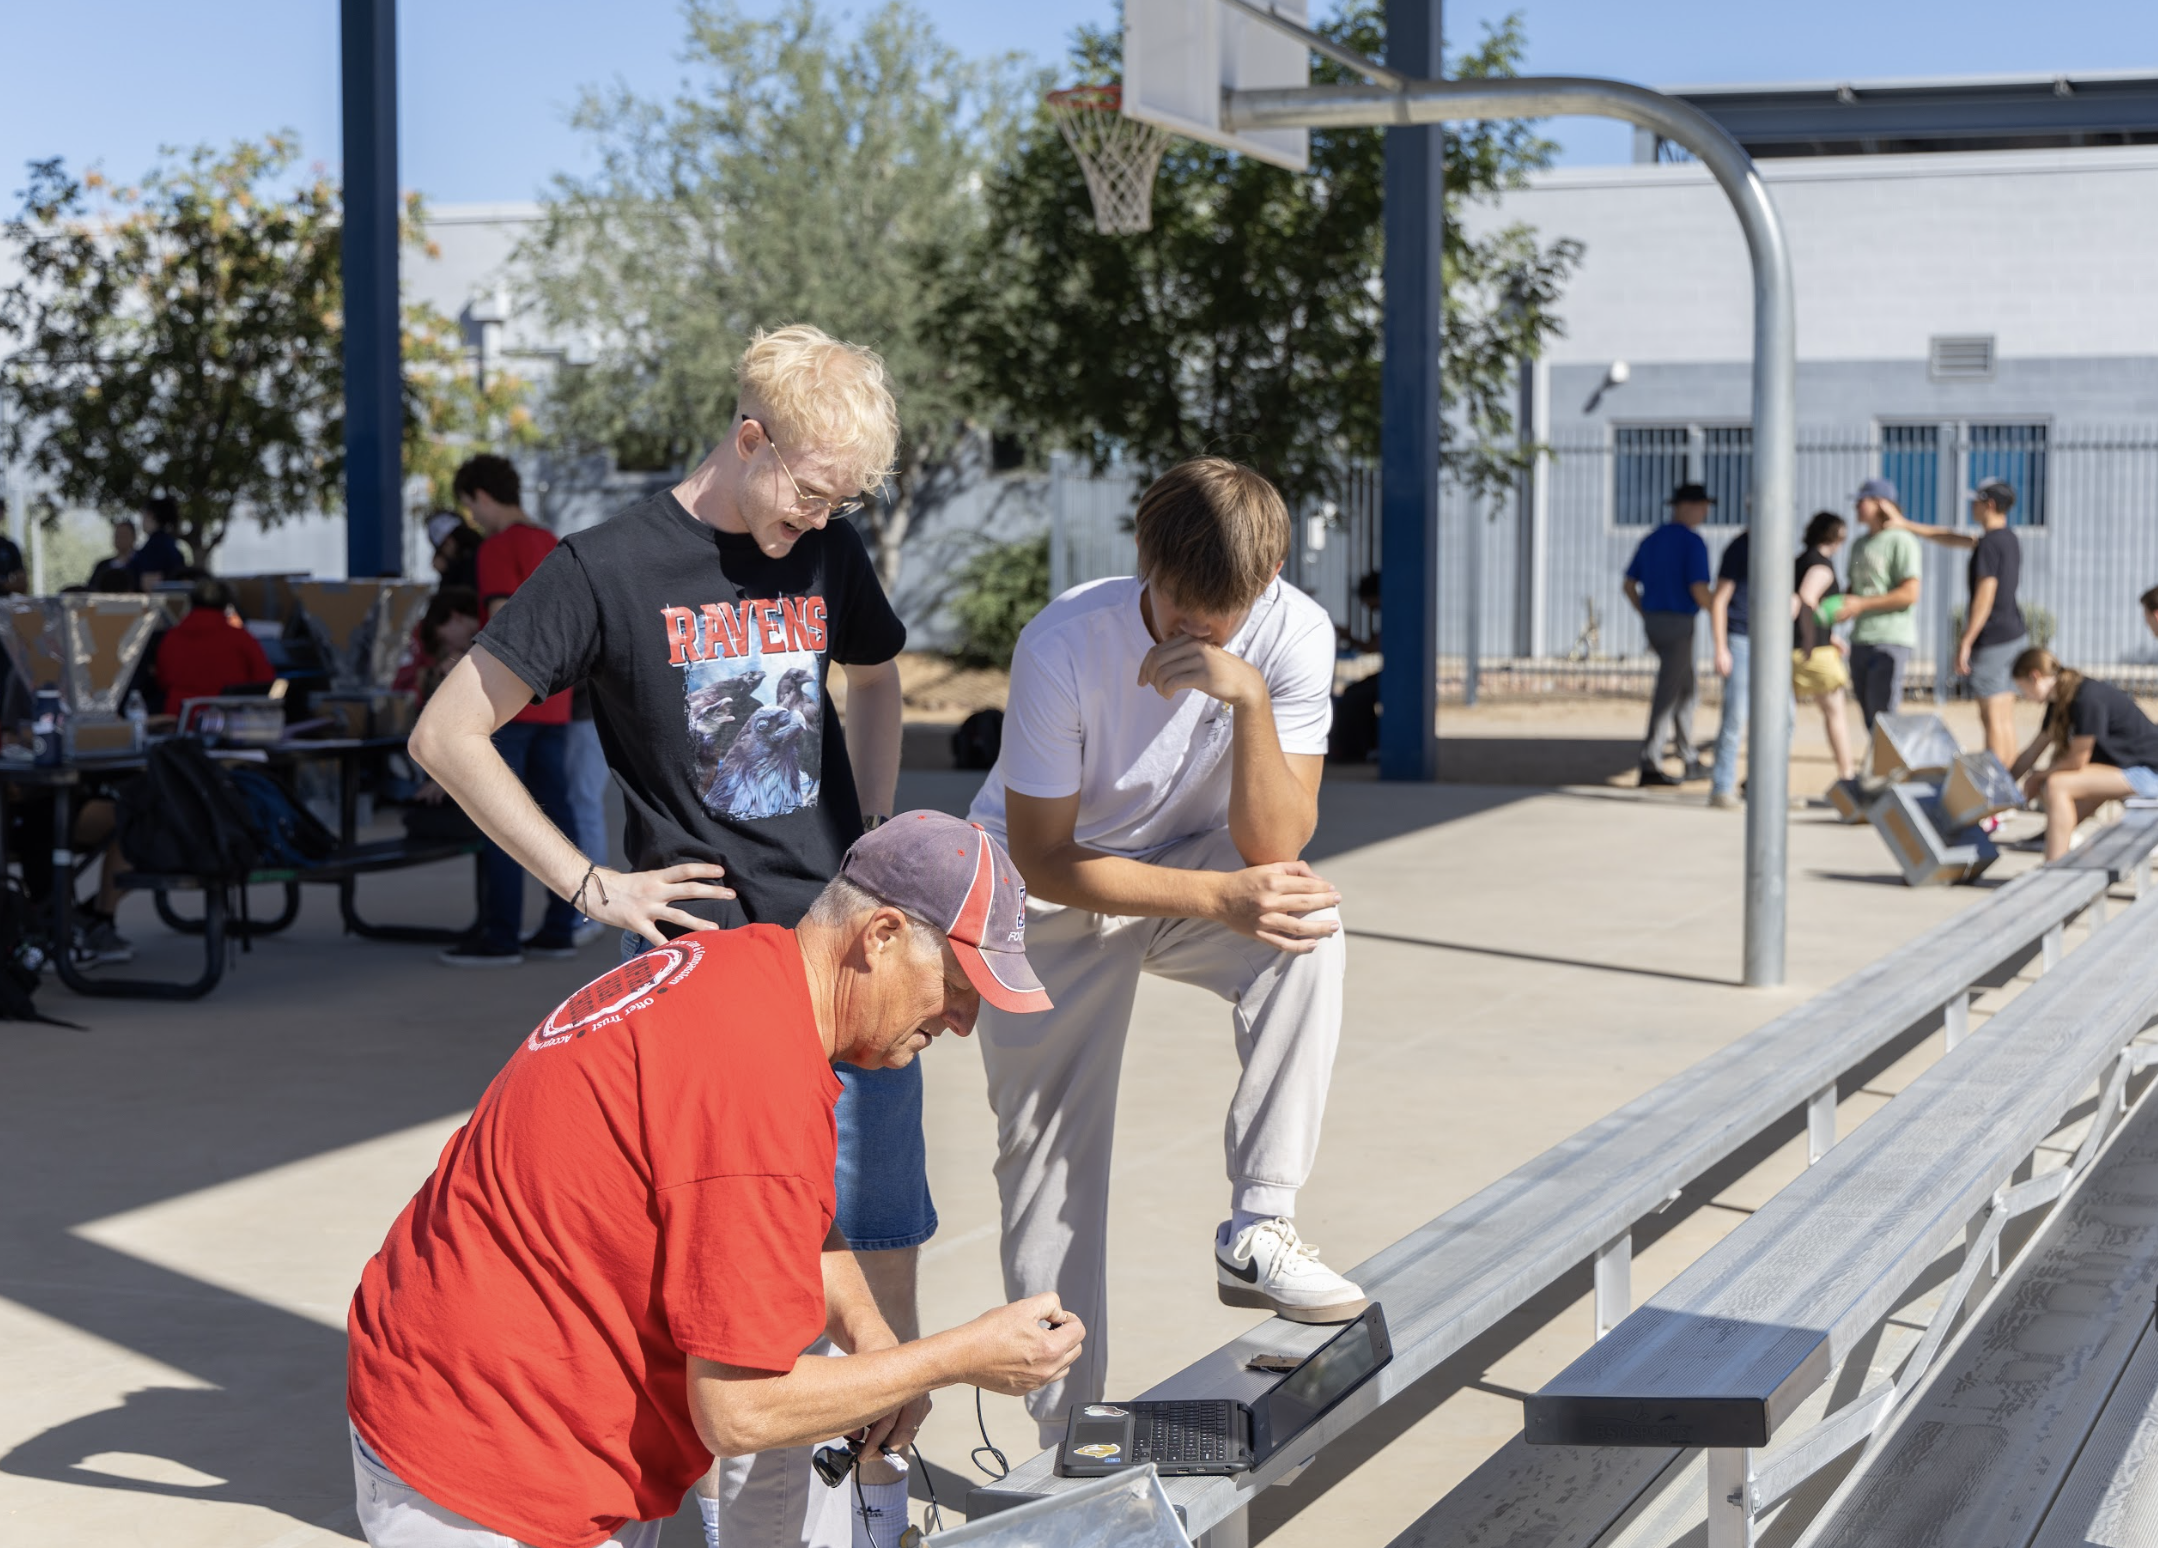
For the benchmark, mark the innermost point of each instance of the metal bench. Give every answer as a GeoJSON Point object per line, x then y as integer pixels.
{"type": "Point", "coordinates": [1458, 1277]}
{"type": "Point", "coordinates": [1727, 1352]}
{"type": "Point", "coordinates": [341, 870]}
{"type": "Point", "coordinates": [2035, 1427]}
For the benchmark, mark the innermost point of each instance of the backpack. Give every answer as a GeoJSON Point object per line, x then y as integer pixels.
{"type": "Point", "coordinates": [184, 816]}
{"type": "Point", "coordinates": [978, 740]}
{"type": "Point", "coordinates": [286, 833]}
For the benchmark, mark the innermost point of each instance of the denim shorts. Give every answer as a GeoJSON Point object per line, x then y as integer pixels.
{"type": "Point", "coordinates": [1991, 666]}
{"type": "Point", "coordinates": [882, 1175]}
{"type": "Point", "coordinates": [2143, 781]}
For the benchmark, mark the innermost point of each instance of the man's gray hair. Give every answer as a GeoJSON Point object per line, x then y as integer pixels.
{"type": "Point", "coordinates": [841, 903]}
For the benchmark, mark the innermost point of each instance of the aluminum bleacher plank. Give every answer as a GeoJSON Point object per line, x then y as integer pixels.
{"type": "Point", "coordinates": [2117, 850]}
{"type": "Point", "coordinates": [1976, 1456]}
{"type": "Point", "coordinates": [1458, 1276]}
{"type": "Point", "coordinates": [1727, 1350]}
{"type": "Point", "coordinates": [2111, 1497]}
{"type": "Point", "coordinates": [1541, 1497]}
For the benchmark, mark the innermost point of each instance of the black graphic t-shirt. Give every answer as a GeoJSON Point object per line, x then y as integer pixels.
{"type": "Point", "coordinates": [706, 664]}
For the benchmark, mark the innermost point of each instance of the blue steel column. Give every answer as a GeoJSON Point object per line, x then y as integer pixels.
{"type": "Point", "coordinates": [374, 406]}
{"type": "Point", "coordinates": [1409, 413]}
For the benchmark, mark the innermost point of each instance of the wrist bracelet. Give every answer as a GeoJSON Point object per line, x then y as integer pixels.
{"type": "Point", "coordinates": [577, 898]}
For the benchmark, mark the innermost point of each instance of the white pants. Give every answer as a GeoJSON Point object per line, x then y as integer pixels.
{"type": "Point", "coordinates": [774, 1499]}
{"type": "Point", "coordinates": [393, 1514]}
{"type": "Point", "coordinates": [1053, 1084]}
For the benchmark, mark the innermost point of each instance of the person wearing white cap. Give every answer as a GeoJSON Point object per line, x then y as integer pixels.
{"type": "Point", "coordinates": [1158, 780]}
{"type": "Point", "coordinates": [619, 1259]}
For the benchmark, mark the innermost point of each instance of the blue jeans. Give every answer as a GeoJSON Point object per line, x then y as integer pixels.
{"type": "Point", "coordinates": [534, 754]}
{"type": "Point", "coordinates": [882, 1171]}
{"type": "Point", "coordinates": [1737, 699]}
{"type": "Point", "coordinates": [585, 777]}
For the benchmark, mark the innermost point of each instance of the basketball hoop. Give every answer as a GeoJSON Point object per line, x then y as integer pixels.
{"type": "Point", "coordinates": [1119, 155]}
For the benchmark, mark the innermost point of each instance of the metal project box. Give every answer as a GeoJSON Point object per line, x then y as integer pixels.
{"type": "Point", "coordinates": [1911, 747]}
{"type": "Point", "coordinates": [1907, 815]}
{"type": "Point", "coordinates": [1978, 785]}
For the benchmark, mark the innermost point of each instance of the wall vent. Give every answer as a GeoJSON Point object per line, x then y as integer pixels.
{"type": "Point", "coordinates": [1961, 357]}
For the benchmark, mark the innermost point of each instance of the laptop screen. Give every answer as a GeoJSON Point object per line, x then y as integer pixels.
{"type": "Point", "coordinates": [1333, 1371]}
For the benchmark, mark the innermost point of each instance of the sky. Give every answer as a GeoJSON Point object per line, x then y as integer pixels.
{"type": "Point", "coordinates": [487, 85]}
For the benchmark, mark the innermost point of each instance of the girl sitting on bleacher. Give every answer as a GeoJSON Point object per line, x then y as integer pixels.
{"type": "Point", "coordinates": [2104, 748]}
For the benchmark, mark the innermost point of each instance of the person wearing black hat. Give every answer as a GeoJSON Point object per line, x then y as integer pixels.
{"type": "Point", "coordinates": [1667, 582]}
{"type": "Point", "coordinates": [1994, 633]}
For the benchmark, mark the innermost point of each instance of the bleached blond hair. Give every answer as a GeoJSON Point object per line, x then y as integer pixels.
{"type": "Point", "coordinates": [823, 395]}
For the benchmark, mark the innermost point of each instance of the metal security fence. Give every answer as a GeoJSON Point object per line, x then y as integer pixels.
{"type": "Point", "coordinates": [1530, 584]}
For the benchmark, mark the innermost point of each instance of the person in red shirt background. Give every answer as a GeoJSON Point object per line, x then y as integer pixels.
{"type": "Point", "coordinates": [210, 650]}
{"type": "Point", "coordinates": [535, 744]}
{"type": "Point", "coordinates": [623, 1262]}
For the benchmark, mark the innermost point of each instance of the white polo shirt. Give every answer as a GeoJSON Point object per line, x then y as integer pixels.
{"type": "Point", "coordinates": [1148, 771]}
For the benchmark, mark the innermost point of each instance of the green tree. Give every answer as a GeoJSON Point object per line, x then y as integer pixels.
{"type": "Point", "coordinates": [1000, 590]}
{"type": "Point", "coordinates": [1248, 321]}
{"type": "Point", "coordinates": [799, 176]}
{"type": "Point", "coordinates": [185, 337]}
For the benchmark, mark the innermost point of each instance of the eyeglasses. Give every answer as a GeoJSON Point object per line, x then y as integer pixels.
{"type": "Point", "coordinates": [808, 505]}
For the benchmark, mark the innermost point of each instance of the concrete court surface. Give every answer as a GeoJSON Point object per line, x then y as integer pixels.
{"type": "Point", "coordinates": [191, 1190]}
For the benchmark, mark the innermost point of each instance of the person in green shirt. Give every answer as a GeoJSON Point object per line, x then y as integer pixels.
{"type": "Point", "coordinates": [1880, 605]}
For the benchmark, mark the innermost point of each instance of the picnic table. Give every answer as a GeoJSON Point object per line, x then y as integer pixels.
{"type": "Point", "coordinates": [68, 781]}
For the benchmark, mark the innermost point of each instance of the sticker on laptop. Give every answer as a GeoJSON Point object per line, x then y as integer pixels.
{"type": "Point", "coordinates": [1104, 1411]}
{"type": "Point", "coordinates": [1101, 1451]}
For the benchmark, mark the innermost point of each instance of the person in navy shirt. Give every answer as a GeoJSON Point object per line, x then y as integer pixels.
{"type": "Point", "coordinates": [1668, 584]}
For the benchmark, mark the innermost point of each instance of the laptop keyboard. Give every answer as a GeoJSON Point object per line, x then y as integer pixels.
{"type": "Point", "coordinates": [1181, 1432]}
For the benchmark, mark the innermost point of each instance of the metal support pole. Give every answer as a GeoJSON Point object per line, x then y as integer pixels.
{"type": "Point", "coordinates": [1614, 1282]}
{"type": "Point", "coordinates": [1231, 1531]}
{"type": "Point", "coordinates": [1472, 596]}
{"type": "Point", "coordinates": [1956, 1019]}
{"type": "Point", "coordinates": [1775, 397]}
{"type": "Point", "coordinates": [1527, 551]}
{"type": "Point", "coordinates": [1409, 412]}
{"type": "Point", "coordinates": [1820, 1123]}
{"type": "Point", "coordinates": [374, 390]}
{"type": "Point", "coordinates": [1730, 1512]}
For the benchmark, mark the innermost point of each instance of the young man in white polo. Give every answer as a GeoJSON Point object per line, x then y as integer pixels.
{"type": "Point", "coordinates": [1158, 780]}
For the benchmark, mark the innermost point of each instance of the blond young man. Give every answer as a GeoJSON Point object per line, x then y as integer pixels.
{"type": "Point", "coordinates": [1159, 778]}
{"type": "Point", "coordinates": [702, 622]}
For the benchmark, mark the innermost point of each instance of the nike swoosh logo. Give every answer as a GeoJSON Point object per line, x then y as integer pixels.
{"type": "Point", "coordinates": [1249, 1272]}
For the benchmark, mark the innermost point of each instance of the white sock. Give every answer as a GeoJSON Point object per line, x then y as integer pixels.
{"type": "Point", "coordinates": [708, 1508]}
{"type": "Point", "coordinates": [880, 1515]}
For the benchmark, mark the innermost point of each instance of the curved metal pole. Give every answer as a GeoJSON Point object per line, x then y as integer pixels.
{"type": "Point", "coordinates": [1775, 391]}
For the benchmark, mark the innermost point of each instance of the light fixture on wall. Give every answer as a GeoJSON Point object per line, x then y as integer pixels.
{"type": "Point", "coordinates": [1615, 376]}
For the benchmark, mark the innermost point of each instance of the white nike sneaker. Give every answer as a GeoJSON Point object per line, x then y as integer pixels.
{"type": "Point", "coordinates": [1270, 1267]}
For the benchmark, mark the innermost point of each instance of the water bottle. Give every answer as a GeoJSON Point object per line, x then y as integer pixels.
{"type": "Point", "coordinates": [48, 728]}
{"type": "Point", "coordinates": [138, 721]}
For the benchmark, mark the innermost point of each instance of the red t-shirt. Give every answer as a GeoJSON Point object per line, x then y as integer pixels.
{"type": "Point", "coordinates": [206, 653]}
{"type": "Point", "coordinates": [506, 561]}
{"type": "Point", "coordinates": [649, 1178]}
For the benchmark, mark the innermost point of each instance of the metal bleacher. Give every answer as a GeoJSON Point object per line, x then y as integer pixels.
{"type": "Point", "coordinates": [1754, 1347]}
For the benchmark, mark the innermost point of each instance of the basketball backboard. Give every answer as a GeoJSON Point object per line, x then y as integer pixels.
{"type": "Point", "coordinates": [1180, 55]}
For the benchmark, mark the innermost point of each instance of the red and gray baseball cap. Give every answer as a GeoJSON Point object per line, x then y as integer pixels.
{"type": "Point", "coordinates": [954, 875]}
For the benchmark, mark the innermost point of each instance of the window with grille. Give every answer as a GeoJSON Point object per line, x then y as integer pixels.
{"type": "Point", "coordinates": [2015, 454]}
{"type": "Point", "coordinates": [1911, 460]}
{"type": "Point", "coordinates": [1647, 463]}
{"type": "Point", "coordinates": [1727, 470]}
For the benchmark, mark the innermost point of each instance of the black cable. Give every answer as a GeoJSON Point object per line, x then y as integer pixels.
{"type": "Point", "coordinates": [935, 1512]}
{"type": "Point", "coordinates": [975, 1456]}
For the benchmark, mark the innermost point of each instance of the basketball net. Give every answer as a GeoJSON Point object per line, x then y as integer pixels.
{"type": "Point", "coordinates": [1119, 155]}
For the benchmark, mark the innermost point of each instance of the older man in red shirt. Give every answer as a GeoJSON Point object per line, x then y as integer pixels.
{"type": "Point", "coordinates": [210, 651]}
{"type": "Point", "coordinates": [616, 1268]}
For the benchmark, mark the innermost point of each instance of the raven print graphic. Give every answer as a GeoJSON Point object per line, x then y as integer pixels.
{"type": "Point", "coordinates": [752, 686]}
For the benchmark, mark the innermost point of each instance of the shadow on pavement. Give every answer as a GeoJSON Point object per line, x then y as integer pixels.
{"type": "Point", "coordinates": [314, 1041]}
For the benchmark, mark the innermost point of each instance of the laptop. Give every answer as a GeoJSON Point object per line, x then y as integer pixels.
{"type": "Point", "coordinates": [1221, 1435]}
